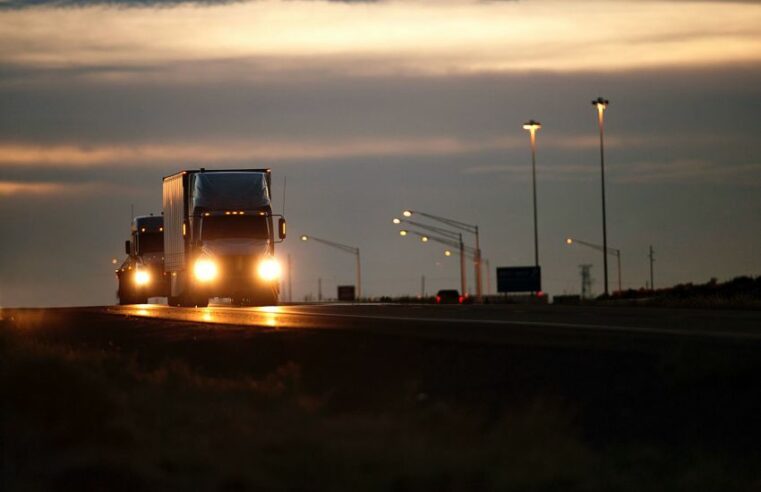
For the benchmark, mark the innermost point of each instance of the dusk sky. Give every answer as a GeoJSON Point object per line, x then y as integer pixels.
{"type": "Point", "coordinates": [372, 107]}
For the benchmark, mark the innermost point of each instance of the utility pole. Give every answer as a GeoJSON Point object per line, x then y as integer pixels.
{"type": "Point", "coordinates": [319, 289]}
{"type": "Point", "coordinates": [652, 260]}
{"type": "Point", "coordinates": [488, 277]}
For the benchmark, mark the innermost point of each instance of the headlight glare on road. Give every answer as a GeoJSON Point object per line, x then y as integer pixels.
{"type": "Point", "coordinates": [268, 269]}
{"type": "Point", "coordinates": [205, 270]}
{"type": "Point", "coordinates": [142, 277]}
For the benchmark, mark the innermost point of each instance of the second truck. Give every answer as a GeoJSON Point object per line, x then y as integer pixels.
{"type": "Point", "coordinates": [220, 236]}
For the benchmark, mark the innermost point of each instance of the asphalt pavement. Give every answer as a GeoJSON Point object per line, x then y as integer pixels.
{"type": "Point", "coordinates": [482, 323]}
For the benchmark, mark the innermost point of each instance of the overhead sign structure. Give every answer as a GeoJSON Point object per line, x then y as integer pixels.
{"type": "Point", "coordinates": [519, 279]}
{"type": "Point", "coordinates": [346, 293]}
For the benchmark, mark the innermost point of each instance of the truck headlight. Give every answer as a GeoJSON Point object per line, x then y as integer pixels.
{"type": "Point", "coordinates": [268, 269]}
{"type": "Point", "coordinates": [205, 270]}
{"type": "Point", "coordinates": [142, 277]}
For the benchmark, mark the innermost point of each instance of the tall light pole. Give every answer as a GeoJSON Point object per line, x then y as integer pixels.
{"type": "Point", "coordinates": [611, 251]}
{"type": "Point", "coordinates": [343, 247]}
{"type": "Point", "coordinates": [471, 228]}
{"type": "Point", "coordinates": [532, 127]}
{"type": "Point", "coordinates": [602, 104]}
{"type": "Point", "coordinates": [449, 241]}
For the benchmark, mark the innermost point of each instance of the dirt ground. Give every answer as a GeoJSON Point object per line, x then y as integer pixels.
{"type": "Point", "coordinates": [96, 402]}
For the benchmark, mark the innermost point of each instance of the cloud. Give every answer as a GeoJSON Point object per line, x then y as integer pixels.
{"type": "Point", "coordinates": [690, 171]}
{"type": "Point", "coordinates": [418, 37]}
{"type": "Point", "coordinates": [283, 149]}
{"type": "Point", "coordinates": [58, 188]}
{"type": "Point", "coordinates": [23, 4]}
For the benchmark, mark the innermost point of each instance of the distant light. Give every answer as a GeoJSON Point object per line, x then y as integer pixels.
{"type": "Point", "coordinates": [569, 241]}
{"type": "Point", "coordinates": [142, 229]}
{"type": "Point", "coordinates": [407, 213]}
{"type": "Point", "coordinates": [402, 232]}
{"type": "Point", "coordinates": [447, 253]}
{"type": "Point", "coordinates": [397, 220]}
{"type": "Point", "coordinates": [161, 229]}
{"type": "Point", "coordinates": [424, 239]}
{"type": "Point", "coordinates": [304, 237]}
{"type": "Point", "coordinates": [113, 261]}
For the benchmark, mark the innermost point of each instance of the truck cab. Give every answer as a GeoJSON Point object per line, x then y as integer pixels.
{"type": "Point", "coordinates": [220, 237]}
{"type": "Point", "coordinates": [141, 275]}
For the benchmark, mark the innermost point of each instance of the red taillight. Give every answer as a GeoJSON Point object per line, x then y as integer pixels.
{"type": "Point", "coordinates": [438, 299]}
{"type": "Point", "coordinates": [461, 299]}
{"type": "Point", "coordinates": [540, 294]}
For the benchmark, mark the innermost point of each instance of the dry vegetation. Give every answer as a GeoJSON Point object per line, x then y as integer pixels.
{"type": "Point", "coordinates": [103, 416]}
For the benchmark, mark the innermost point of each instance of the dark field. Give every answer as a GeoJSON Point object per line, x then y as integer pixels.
{"type": "Point", "coordinates": [97, 402]}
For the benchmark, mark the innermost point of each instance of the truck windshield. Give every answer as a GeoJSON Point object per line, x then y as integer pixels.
{"type": "Point", "coordinates": [150, 242]}
{"type": "Point", "coordinates": [234, 226]}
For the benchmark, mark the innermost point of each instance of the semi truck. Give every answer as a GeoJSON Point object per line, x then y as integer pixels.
{"type": "Point", "coordinates": [220, 236]}
{"type": "Point", "coordinates": [141, 275]}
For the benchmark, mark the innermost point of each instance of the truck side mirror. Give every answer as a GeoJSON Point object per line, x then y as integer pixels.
{"type": "Point", "coordinates": [127, 247]}
{"type": "Point", "coordinates": [281, 228]}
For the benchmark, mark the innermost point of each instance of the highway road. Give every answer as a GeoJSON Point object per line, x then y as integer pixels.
{"type": "Point", "coordinates": [485, 323]}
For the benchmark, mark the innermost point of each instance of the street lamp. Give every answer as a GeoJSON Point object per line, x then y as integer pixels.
{"type": "Point", "coordinates": [611, 251]}
{"type": "Point", "coordinates": [532, 127]}
{"type": "Point", "coordinates": [473, 229]}
{"type": "Point", "coordinates": [453, 239]}
{"type": "Point", "coordinates": [343, 247]}
{"type": "Point", "coordinates": [602, 104]}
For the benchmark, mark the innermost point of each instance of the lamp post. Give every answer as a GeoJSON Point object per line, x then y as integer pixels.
{"type": "Point", "coordinates": [532, 127]}
{"type": "Point", "coordinates": [602, 104]}
{"type": "Point", "coordinates": [343, 247]}
{"type": "Point", "coordinates": [611, 251]}
{"type": "Point", "coordinates": [449, 242]}
{"type": "Point", "coordinates": [471, 228]}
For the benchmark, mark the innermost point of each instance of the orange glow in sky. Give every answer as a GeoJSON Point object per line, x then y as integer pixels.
{"type": "Point", "coordinates": [409, 36]}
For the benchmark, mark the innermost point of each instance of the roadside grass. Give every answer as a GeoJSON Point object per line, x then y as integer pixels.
{"type": "Point", "coordinates": [84, 418]}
